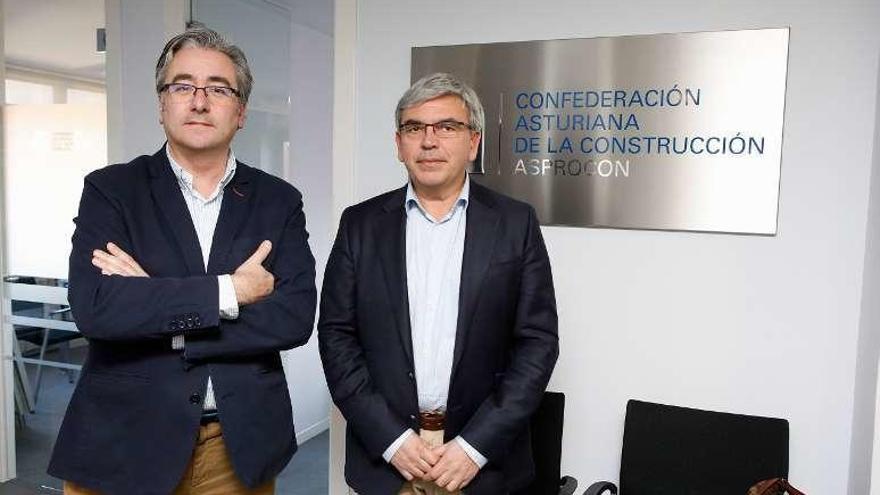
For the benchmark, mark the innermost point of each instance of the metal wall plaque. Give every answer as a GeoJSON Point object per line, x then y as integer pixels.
{"type": "Point", "coordinates": [669, 132]}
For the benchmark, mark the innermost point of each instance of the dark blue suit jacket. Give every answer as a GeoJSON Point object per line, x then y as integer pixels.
{"type": "Point", "coordinates": [505, 347]}
{"type": "Point", "coordinates": [132, 422]}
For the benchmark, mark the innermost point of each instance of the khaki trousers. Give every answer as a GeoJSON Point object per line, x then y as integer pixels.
{"type": "Point", "coordinates": [419, 487]}
{"type": "Point", "coordinates": [209, 471]}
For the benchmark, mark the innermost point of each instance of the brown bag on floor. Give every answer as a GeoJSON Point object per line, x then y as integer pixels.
{"type": "Point", "coordinates": [774, 486]}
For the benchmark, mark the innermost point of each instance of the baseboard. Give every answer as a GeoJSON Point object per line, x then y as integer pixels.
{"type": "Point", "coordinates": [306, 434]}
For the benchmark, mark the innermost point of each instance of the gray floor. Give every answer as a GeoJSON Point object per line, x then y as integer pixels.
{"type": "Point", "coordinates": [305, 475]}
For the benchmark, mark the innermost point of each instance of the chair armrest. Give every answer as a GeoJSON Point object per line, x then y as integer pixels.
{"type": "Point", "coordinates": [599, 487]}
{"type": "Point", "coordinates": [567, 485]}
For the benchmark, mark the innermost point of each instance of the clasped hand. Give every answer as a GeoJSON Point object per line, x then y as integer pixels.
{"type": "Point", "coordinates": [448, 465]}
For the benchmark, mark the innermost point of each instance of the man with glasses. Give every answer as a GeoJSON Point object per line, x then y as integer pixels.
{"type": "Point", "coordinates": [438, 317]}
{"type": "Point", "coordinates": [189, 272]}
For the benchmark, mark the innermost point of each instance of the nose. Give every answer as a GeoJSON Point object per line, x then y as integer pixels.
{"type": "Point", "coordinates": [200, 100]}
{"type": "Point", "coordinates": [429, 139]}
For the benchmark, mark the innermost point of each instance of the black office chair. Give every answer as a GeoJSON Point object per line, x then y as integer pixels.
{"type": "Point", "coordinates": [546, 429]}
{"type": "Point", "coordinates": [670, 450]}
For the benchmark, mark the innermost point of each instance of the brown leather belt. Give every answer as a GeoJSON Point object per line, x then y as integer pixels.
{"type": "Point", "coordinates": [432, 420]}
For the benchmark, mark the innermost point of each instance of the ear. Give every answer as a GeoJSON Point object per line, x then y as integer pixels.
{"type": "Point", "coordinates": [397, 141]}
{"type": "Point", "coordinates": [242, 116]}
{"type": "Point", "coordinates": [161, 111]}
{"type": "Point", "coordinates": [474, 145]}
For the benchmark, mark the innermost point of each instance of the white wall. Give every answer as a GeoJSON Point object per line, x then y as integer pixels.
{"type": "Point", "coordinates": [865, 467]}
{"type": "Point", "coordinates": [758, 325]}
{"type": "Point", "coordinates": [311, 92]}
{"type": "Point", "coordinates": [343, 179]}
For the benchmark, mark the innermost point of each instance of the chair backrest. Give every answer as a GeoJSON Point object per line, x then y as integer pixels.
{"type": "Point", "coordinates": [670, 450]}
{"type": "Point", "coordinates": [546, 431]}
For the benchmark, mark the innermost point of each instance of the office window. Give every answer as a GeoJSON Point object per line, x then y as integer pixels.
{"type": "Point", "coordinates": [86, 96]}
{"type": "Point", "coordinates": [26, 92]}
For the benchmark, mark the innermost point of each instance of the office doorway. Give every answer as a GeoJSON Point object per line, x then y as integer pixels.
{"type": "Point", "coordinates": [54, 133]}
{"type": "Point", "coordinates": [274, 124]}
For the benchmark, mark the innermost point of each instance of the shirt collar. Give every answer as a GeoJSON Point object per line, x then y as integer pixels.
{"type": "Point", "coordinates": [185, 179]}
{"type": "Point", "coordinates": [412, 201]}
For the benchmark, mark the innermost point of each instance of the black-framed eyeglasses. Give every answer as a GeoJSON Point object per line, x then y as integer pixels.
{"type": "Point", "coordinates": [444, 129]}
{"type": "Point", "coordinates": [184, 91]}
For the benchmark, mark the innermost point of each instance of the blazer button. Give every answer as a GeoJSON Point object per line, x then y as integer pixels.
{"type": "Point", "coordinates": [411, 375]}
{"type": "Point", "coordinates": [412, 416]}
{"type": "Point", "coordinates": [195, 399]}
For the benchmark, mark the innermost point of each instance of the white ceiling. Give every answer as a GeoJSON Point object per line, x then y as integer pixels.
{"type": "Point", "coordinates": [59, 35]}
{"type": "Point", "coordinates": [54, 35]}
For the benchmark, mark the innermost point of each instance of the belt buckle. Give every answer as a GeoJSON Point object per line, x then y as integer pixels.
{"type": "Point", "coordinates": [209, 417]}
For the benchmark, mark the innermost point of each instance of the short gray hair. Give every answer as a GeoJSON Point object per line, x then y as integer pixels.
{"type": "Point", "coordinates": [437, 85]}
{"type": "Point", "coordinates": [200, 36]}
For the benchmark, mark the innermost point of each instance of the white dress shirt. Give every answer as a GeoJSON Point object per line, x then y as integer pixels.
{"type": "Point", "coordinates": [204, 213]}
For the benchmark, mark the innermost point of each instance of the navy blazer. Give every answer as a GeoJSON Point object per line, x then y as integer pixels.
{"type": "Point", "coordinates": [506, 341]}
{"type": "Point", "coordinates": [132, 423]}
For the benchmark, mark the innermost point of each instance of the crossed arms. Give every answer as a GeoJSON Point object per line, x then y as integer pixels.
{"type": "Point", "coordinates": [114, 298]}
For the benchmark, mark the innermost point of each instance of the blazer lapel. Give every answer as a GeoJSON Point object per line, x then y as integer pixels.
{"type": "Point", "coordinates": [166, 193]}
{"type": "Point", "coordinates": [479, 243]}
{"type": "Point", "coordinates": [237, 201]}
{"type": "Point", "coordinates": [392, 226]}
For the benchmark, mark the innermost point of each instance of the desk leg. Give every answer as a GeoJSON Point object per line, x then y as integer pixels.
{"type": "Point", "coordinates": [21, 372]}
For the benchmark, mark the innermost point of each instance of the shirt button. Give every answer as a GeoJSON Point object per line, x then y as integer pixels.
{"type": "Point", "coordinates": [195, 399]}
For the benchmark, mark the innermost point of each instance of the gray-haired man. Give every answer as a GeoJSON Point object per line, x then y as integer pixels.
{"type": "Point", "coordinates": [438, 317]}
{"type": "Point", "coordinates": [189, 272]}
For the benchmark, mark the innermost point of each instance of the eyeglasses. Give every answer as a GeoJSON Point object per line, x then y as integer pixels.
{"type": "Point", "coordinates": [444, 129]}
{"type": "Point", "coordinates": [181, 92]}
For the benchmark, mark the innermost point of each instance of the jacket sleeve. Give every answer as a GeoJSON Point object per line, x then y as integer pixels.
{"type": "Point", "coordinates": [129, 308]}
{"type": "Point", "coordinates": [283, 320]}
{"type": "Point", "coordinates": [348, 377]}
{"type": "Point", "coordinates": [505, 413]}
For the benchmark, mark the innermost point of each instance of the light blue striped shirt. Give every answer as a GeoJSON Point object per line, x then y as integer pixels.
{"type": "Point", "coordinates": [434, 251]}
